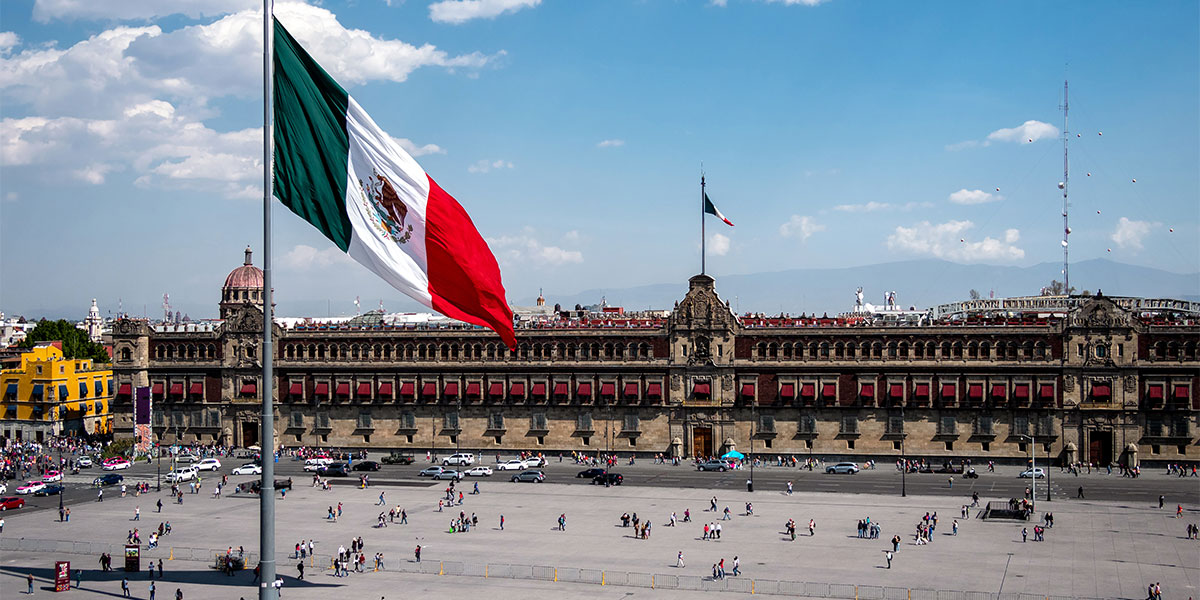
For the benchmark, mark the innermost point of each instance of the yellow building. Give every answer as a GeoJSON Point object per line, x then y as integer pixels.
{"type": "Point", "coordinates": [49, 395]}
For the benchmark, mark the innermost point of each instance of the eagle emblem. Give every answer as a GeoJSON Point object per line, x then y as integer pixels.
{"type": "Point", "coordinates": [388, 212]}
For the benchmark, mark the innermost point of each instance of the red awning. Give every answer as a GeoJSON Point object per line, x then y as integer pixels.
{"type": "Point", "coordinates": [1182, 392]}
{"type": "Point", "coordinates": [428, 390]}
{"type": "Point", "coordinates": [1155, 392]}
{"type": "Point", "coordinates": [451, 390]}
{"type": "Point", "coordinates": [948, 390]}
{"type": "Point", "coordinates": [385, 389]}
{"type": "Point", "coordinates": [702, 389]}
{"type": "Point", "coordinates": [654, 390]}
{"type": "Point", "coordinates": [297, 389]}
{"type": "Point", "coordinates": [1101, 391]}
{"type": "Point", "coordinates": [747, 390]}
{"type": "Point", "coordinates": [896, 390]}
{"type": "Point", "coordinates": [322, 389]}
{"type": "Point", "coordinates": [562, 389]}
{"type": "Point", "coordinates": [343, 389]}
{"type": "Point", "coordinates": [788, 390]}
{"type": "Point", "coordinates": [124, 389]}
{"type": "Point", "coordinates": [408, 389]}
{"type": "Point", "coordinates": [496, 389]}
{"type": "Point", "coordinates": [364, 389]}
{"type": "Point", "coordinates": [998, 390]}
{"type": "Point", "coordinates": [1021, 390]}
{"type": "Point", "coordinates": [1046, 391]}
{"type": "Point", "coordinates": [828, 390]}
{"type": "Point", "coordinates": [808, 390]}
{"type": "Point", "coordinates": [607, 390]}
{"type": "Point", "coordinates": [922, 390]}
{"type": "Point", "coordinates": [473, 390]}
{"type": "Point", "coordinates": [868, 390]}
{"type": "Point", "coordinates": [516, 390]}
{"type": "Point", "coordinates": [538, 391]}
{"type": "Point", "coordinates": [249, 389]}
{"type": "Point", "coordinates": [631, 390]}
{"type": "Point", "coordinates": [975, 391]}
{"type": "Point", "coordinates": [585, 390]}
{"type": "Point", "coordinates": [197, 389]}
{"type": "Point", "coordinates": [157, 389]}
{"type": "Point", "coordinates": [176, 389]}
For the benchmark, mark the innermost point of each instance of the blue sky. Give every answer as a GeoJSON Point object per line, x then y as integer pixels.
{"type": "Point", "coordinates": [833, 134]}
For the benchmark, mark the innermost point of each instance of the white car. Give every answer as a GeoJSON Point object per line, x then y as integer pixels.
{"type": "Point", "coordinates": [1036, 473]}
{"type": "Point", "coordinates": [248, 469]}
{"type": "Point", "coordinates": [460, 459]}
{"type": "Point", "coordinates": [30, 487]}
{"type": "Point", "coordinates": [3, 488]}
{"type": "Point", "coordinates": [184, 474]}
{"type": "Point", "coordinates": [511, 465]}
{"type": "Point", "coordinates": [480, 471]}
{"type": "Point", "coordinates": [208, 464]}
{"type": "Point", "coordinates": [314, 464]}
{"type": "Point", "coordinates": [535, 462]}
{"type": "Point", "coordinates": [116, 464]}
{"type": "Point", "coordinates": [85, 461]}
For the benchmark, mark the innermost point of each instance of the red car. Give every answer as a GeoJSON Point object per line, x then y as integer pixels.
{"type": "Point", "coordinates": [8, 502]}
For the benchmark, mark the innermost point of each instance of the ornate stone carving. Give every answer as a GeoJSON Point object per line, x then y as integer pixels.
{"type": "Point", "coordinates": [1100, 313]}
{"type": "Point", "coordinates": [1130, 384]}
{"type": "Point", "coordinates": [1068, 383]}
{"type": "Point", "coordinates": [676, 383]}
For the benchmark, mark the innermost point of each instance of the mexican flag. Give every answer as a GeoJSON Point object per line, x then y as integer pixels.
{"type": "Point", "coordinates": [711, 209]}
{"type": "Point", "coordinates": [336, 169]}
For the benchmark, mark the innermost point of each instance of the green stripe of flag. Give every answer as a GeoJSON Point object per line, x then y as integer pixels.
{"type": "Point", "coordinates": [311, 144]}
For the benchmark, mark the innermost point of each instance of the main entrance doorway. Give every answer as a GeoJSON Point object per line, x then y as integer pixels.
{"type": "Point", "coordinates": [702, 441]}
{"type": "Point", "coordinates": [249, 434]}
{"type": "Point", "coordinates": [1100, 447]}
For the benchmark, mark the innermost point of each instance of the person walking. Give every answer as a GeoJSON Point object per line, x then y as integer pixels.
{"type": "Point", "coordinates": [381, 502]}
{"type": "Point", "coordinates": [895, 543]}
{"type": "Point", "coordinates": [737, 566]}
{"type": "Point", "coordinates": [300, 569]}
{"type": "Point", "coordinates": [29, 581]}
{"type": "Point", "coordinates": [1024, 534]}
{"type": "Point", "coordinates": [1162, 500]}
{"type": "Point", "coordinates": [679, 560]}
{"type": "Point", "coordinates": [1079, 494]}
{"type": "Point", "coordinates": [125, 587]}
{"type": "Point", "coordinates": [501, 522]}
{"type": "Point", "coordinates": [152, 590]}
{"type": "Point", "coordinates": [137, 513]}
{"type": "Point", "coordinates": [417, 553]}
{"type": "Point", "coordinates": [954, 527]}
{"type": "Point", "coordinates": [789, 488]}
{"type": "Point", "coordinates": [159, 505]}
{"type": "Point", "coordinates": [888, 556]}
{"type": "Point", "coordinates": [178, 594]}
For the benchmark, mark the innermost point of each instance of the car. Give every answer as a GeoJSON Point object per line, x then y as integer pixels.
{"type": "Point", "coordinates": [8, 502]}
{"type": "Point", "coordinates": [460, 458]}
{"type": "Point", "coordinates": [590, 473]}
{"type": "Point", "coordinates": [399, 458]}
{"type": "Point", "coordinates": [535, 461]}
{"type": "Point", "coordinates": [480, 471]}
{"type": "Point", "coordinates": [713, 465]}
{"type": "Point", "coordinates": [431, 471]}
{"type": "Point", "coordinates": [52, 476]}
{"type": "Point", "coordinates": [315, 464]}
{"type": "Point", "coordinates": [182, 474]}
{"type": "Point", "coordinates": [534, 476]}
{"type": "Point", "coordinates": [84, 462]}
{"type": "Point", "coordinates": [50, 490]}
{"type": "Point", "coordinates": [608, 479]}
{"type": "Point", "coordinates": [511, 465]}
{"type": "Point", "coordinates": [1035, 473]}
{"type": "Point", "coordinates": [846, 468]}
{"type": "Point", "coordinates": [248, 469]}
{"type": "Point", "coordinates": [107, 479]}
{"type": "Point", "coordinates": [187, 458]}
{"type": "Point", "coordinates": [208, 464]}
{"type": "Point", "coordinates": [449, 474]}
{"type": "Point", "coordinates": [30, 487]}
{"type": "Point", "coordinates": [3, 488]}
{"type": "Point", "coordinates": [337, 469]}
{"type": "Point", "coordinates": [366, 465]}
{"type": "Point", "coordinates": [116, 464]}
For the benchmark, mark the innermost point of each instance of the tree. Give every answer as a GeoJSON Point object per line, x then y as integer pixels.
{"type": "Point", "coordinates": [1056, 289]}
{"type": "Point", "coordinates": [974, 294]}
{"type": "Point", "coordinates": [75, 342]}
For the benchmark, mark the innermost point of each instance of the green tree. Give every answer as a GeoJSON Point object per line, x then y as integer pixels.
{"type": "Point", "coordinates": [1056, 288]}
{"type": "Point", "coordinates": [974, 294]}
{"type": "Point", "coordinates": [75, 342]}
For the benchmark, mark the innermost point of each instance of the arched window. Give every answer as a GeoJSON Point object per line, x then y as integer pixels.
{"type": "Point", "coordinates": [851, 350]}
{"type": "Point", "coordinates": [891, 350]}
{"type": "Point", "coordinates": [126, 354]}
{"type": "Point", "coordinates": [839, 350]}
{"type": "Point", "coordinates": [903, 351]}
{"type": "Point", "coordinates": [985, 350]}
{"type": "Point", "coordinates": [946, 350]}
{"type": "Point", "coordinates": [972, 350]}
{"type": "Point", "coordinates": [824, 349]}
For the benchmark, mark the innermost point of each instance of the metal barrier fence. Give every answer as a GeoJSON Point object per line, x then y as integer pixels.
{"type": "Point", "coordinates": [606, 577]}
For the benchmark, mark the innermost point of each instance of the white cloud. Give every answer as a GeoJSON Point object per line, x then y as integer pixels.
{"type": "Point", "coordinates": [718, 244]}
{"type": "Point", "coordinates": [948, 241]}
{"type": "Point", "coordinates": [871, 206]}
{"type": "Point", "coordinates": [611, 144]}
{"type": "Point", "coordinates": [8, 41]}
{"type": "Point", "coordinates": [965, 196]}
{"type": "Point", "coordinates": [797, 2]}
{"type": "Point", "coordinates": [135, 10]}
{"type": "Point", "coordinates": [1129, 233]}
{"type": "Point", "coordinates": [525, 249]}
{"type": "Point", "coordinates": [571, 236]}
{"type": "Point", "coordinates": [801, 227]}
{"type": "Point", "coordinates": [486, 165]}
{"type": "Point", "coordinates": [1025, 133]}
{"type": "Point", "coordinates": [456, 12]}
{"type": "Point", "coordinates": [415, 150]}
{"type": "Point", "coordinates": [93, 174]}
{"type": "Point", "coordinates": [303, 257]}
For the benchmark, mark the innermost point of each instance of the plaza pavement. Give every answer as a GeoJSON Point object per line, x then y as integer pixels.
{"type": "Point", "coordinates": [1096, 549]}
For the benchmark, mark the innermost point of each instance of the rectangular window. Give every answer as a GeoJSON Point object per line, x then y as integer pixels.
{"type": "Point", "coordinates": [450, 421]}
{"type": "Point", "coordinates": [896, 446]}
{"type": "Point", "coordinates": [322, 421]}
{"type": "Point", "coordinates": [950, 446]}
{"type": "Point", "coordinates": [158, 418]}
{"type": "Point", "coordinates": [408, 438]}
{"type": "Point", "coordinates": [985, 446]}
{"type": "Point", "coordinates": [212, 417]}
{"type": "Point", "coordinates": [364, 420]}
{"type": "Point", "coordinates": [541, 440]}
{"type": "Point", "coordinates": [768, 443]}
{"type": "Point", "coordinates": [499, 439]}
{"type": "Point", "coordinates": [1154, 427]}
{"type": "Point", "coordinates": [1020, 426]}
{"type": "Point", "coordinates": [1120, 350]}
{"type": "Point", "coordinates": [632, 441]}
{"type": "Point", "coordinates": [408, 421]}
{"type": "Point", "coordinates": [808, 424]}
{"type": "Point", "coordinates": [948, 426]}
{"type": "Point", "coordinates": [766, 423]}
{"type": "Point", "coordinates": [631, 424]}
{"type": "Point", "coordinates": [496, 422]}
{"type": "Point", "coordinates": [983, 425]}
{"type": "Point", "coordinates": [849, 444]}
{"type": "Point", "coordinates": [1079, 350]}
{"type": "Point", "coordinates": [1180, 428]}
{"type": "Point", "coordinates": [537, 422]}
{"type": "Point", "coordinates": [296, 419]}
{"type": "Point", "coordinates": [587, 441]}
{"type": "Point", "coordinates": [895, 425]}
{"type": "Point", "coordinates": [583, 422]}
{"type": "Point", "coordinates": [849, 424]}
{"type": "Point", "coordinates": [1045, 426]}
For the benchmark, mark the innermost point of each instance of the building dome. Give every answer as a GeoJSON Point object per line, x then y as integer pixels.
{"type": "Point", "coordinates": [246, 276]}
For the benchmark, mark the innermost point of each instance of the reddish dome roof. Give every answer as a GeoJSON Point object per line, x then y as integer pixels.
{"type": "Point", "coordinates": [245, 276]}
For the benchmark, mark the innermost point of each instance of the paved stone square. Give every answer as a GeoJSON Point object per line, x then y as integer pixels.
{"type": "Point", "coordinates": [1096, 548]}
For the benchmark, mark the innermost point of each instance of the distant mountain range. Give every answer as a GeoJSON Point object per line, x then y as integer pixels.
{"type": "Point", "coordinates": [917, 283]}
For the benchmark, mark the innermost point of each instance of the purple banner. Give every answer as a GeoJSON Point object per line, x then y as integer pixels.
{"type": "Point", "coordinates": [141, 406]}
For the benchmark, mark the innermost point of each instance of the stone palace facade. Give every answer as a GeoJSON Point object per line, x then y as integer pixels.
{"type": "Point", "coordinates": [1096, 379]}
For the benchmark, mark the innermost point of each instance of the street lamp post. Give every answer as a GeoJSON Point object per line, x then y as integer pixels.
{"type": "Point", "coordinates": [1033, 470]}
{"type": "Point", "coordinates": [60, 475]}
{"type": "Point", "coordinates": [903, 457]}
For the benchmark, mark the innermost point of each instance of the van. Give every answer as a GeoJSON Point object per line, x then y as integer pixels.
{"type": "Point", "coordinates": [462, 458]}
{"type": "Point", "coordinates": [315, 464]}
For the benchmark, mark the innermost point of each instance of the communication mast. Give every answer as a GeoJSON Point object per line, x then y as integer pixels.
{"type": "Point", "coordinates": [1063, 186]}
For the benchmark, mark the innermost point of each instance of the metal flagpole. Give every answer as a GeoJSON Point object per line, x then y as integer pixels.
{"type": "Point", "coordinates": [266, 516]}
{"type": "Point", "coordinates": [702, 207]}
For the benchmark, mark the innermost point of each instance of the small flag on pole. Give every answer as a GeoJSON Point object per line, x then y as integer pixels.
{"type": "Point", "coordinates": [711, 209]}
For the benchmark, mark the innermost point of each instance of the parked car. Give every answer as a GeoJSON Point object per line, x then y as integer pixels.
{"type": "Point", "coordinates": [51, 476]}
{"type": "Point", "coordinates": [366, 465]}
{"type": "Point", "coordinates": [1035, 473]}
{"type": "Point", "coordinates": [534, 476]}
{"type": "Point", "coordinates": [208, 464]}
{"type": "Point", "coordinates": [8, 502]}
{"type": "Point", "coordinates": [315, 464]}
{"type": "Point", "coordinates": [535, 461]}
{"type": "Point", "coordinates": [337, 469]}
{"type": "Point", "coordinates": [399, 458]}
{"type": "Point", "coordinates": [50, 490]}
{"type": "Point", "coordinates": [248, 469]}
{"type": "Point", "coordinates": [713, 465]}
{"type": "Point", "coordinates": [460, 459]}
{"type": "Point", "coordinates": [449, 474]}
{"type": "Point", "coordinates": [431, 471]}
{"type": "Point", "coordinates": [590, 473]}
{"type": "Point", "coordinates": [846, 468]}
{"type": "Point", "coordinates": [84, 462]}
{"type": "Point", "coordinates": [182, 474]}
{"type": "Point", "coordinates": [187, 458]}
{"type": "Point", "coordinates": [608, 479]}
{"type": "Point", "coordinates": [480, 471]}
{"type": "Point", "coordinates": [515, 464]}
{"type": "Point", "coordinates": [107, 479]}
{"type": "Point", "coordinates": [30, 487]}
{"type": "Point", "coordinates": [116, 464]}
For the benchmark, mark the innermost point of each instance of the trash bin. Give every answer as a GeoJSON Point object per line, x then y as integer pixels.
{"type": "Point", "coordinates": [749, 485]}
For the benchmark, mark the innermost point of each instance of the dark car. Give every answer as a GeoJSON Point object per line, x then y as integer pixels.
{"type": "Point", "coordinates": [8, 502]}
{"type": "Point", "coordinates": [399, 458]}
{"type": "Point", "coordinates": [608, 479]}
{"type": "Point", "coordinates": [255, 486]}
{"type": "Point", "coordinates": [713, 465]}
{"type": "Point", "coordinates": [107, 479]}
{"type": "Point", "coordinates": [590, 473]}
{"type": "Point", "coordinates": [337, 469]}
{"type": "Point", "coordinates": [50, 490]}
{"type": "Point", "coordinates": [532, 476]}
{"type": "Point", "coordinates": [366, 465]}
